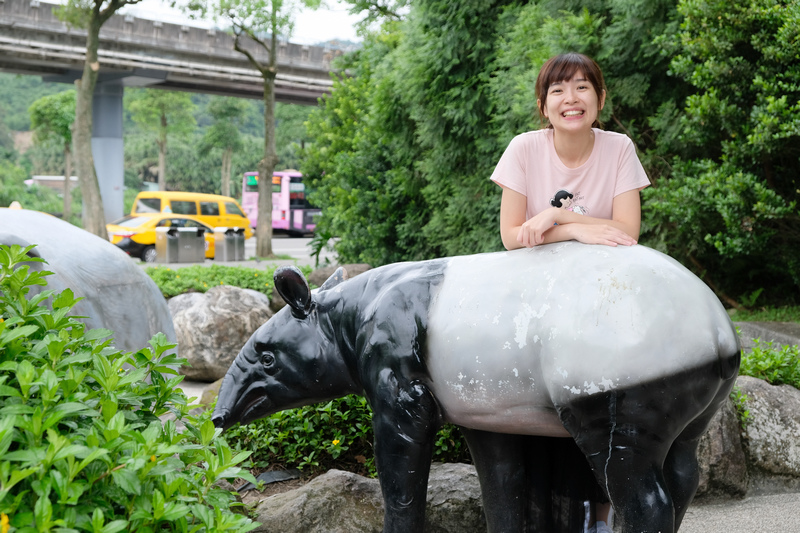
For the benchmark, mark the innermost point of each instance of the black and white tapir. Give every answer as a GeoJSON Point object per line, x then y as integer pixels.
{"type": "Point", "coordinates": [621, 349]}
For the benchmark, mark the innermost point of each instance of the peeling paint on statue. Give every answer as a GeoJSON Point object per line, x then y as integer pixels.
{"type": "Point", "coordinates": [622, 350]}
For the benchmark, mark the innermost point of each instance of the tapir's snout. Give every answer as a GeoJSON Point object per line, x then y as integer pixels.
{"type": "Point", "coordinates": [220, 417]}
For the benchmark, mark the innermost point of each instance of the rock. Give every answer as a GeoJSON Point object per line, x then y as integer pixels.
{"type": "Point", "coordinates": [212, 328]}
{"type": "Point", "coordinates": [772, 434]}
{"type": "Point", "coordinates": [342, 502]}
{"type": "Point", "coordinates": [210, 394]}
{"type": "Point", "coordinates": [335, 502]}
{"type": "Point", "coordinates": [722, 464]}
{"type": "Point", "coordinates": [454, 499]}
{"type": "Point", "coordinates": [184, 301]}
{"type": "Point", "coordinates": [320, 275]}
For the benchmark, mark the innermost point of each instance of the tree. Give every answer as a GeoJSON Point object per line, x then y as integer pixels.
{"type": "Point", "coordinates": [52, 118]}
{"type": "Point", "coordinates": [731, 199]}
{"type": "Point", "coordinates": [261, 22]}
{"type": "Point", "coordinates": [224, 134]}
{"type": "Point", "coordinates": [91, 15]}
{"type": "Point", "coordinates": [162, 113]}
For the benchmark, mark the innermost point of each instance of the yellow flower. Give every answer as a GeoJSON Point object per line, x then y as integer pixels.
{"type": "Point", "coordinates": [153, 458]}
{"type": "Point", "coordinates": [256, 274]}
{"type": "Point", "coordinates": [177, 276]}
{"type": "Point", "coordinates": [4, 523]}
{"type": "Point", "coordinates": [335, 442]}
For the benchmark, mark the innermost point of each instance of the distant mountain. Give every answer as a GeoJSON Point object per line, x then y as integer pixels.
{"type": "Point", "coordinates": [340, 44]}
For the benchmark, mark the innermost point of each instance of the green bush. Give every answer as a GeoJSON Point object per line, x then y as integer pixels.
{"type": "Point", "coordinates": [199, 278]}
{"type": "Point", "coordinates": [319, 437]}
{"type": "Point", "coordinates": [776, 366]}
{"type": "Point", "coordinates": [82, 447]}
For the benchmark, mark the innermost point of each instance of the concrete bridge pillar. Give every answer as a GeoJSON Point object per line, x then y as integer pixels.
{"type": "Point", "coordinates": [107, 147]}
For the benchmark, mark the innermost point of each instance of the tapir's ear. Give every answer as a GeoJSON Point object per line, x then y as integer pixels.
{"type": "Point", "coordinates": [336, 278]}
{"type": "Point", "coordinates": [293, 288]}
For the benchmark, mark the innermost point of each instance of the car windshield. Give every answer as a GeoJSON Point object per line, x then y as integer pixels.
{"type": "Point", "coordinates": [131, 221]}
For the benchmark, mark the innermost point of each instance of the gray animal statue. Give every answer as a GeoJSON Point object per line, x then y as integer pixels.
{"type": "Point", "coordinates": [117, 294]}
{"type": "Point", "coordinates": [620, 350]}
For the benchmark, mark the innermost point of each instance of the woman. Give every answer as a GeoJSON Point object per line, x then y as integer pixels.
{"type": "Point", "coordinates": [599, 168]}
{"type": "Point", "coordinates": [571, 180]}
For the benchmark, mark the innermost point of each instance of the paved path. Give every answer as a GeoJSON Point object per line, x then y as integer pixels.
{"type": "Point", "coordinates": [777, 513]}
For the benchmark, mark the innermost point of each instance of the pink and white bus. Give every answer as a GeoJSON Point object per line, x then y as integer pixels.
{"type": "Point", "coordinates": [291, 211]}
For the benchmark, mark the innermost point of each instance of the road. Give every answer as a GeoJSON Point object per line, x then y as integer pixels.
{"type": "Point", "coordinates": [296, 247]}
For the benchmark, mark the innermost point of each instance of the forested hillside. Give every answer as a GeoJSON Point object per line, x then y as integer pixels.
{"type": "Point", "coordinates": [192, 164]}
{"type": "Point", "coordinates": [708, 92]}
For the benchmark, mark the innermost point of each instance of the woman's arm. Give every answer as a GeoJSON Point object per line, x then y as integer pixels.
{"type": "Point", "coordinates": [516, 232]}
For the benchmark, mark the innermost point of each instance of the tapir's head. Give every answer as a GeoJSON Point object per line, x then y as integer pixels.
{"type": "Point", "coordinates": [290, 361]}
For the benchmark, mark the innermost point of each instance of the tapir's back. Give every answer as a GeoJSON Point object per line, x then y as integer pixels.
{"type": "Point", "coordinates": [512, 333]}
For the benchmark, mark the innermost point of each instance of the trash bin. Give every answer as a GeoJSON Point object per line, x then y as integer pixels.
{"type": "Point", "coordinates": [191, 245]}
{"type": "Point", "coordinates": [228, 244]}
{"type": "Point", "coordinates": [166, 245]}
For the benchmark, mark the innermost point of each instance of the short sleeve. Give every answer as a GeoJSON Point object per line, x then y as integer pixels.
{"type": "Point", "coordinates": [631, 174]}
{"type": "Point", "coordinates": [510, 171]}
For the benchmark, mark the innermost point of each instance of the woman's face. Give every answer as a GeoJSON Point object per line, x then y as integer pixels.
{"type": "Point", "coordinates": [573, 105]}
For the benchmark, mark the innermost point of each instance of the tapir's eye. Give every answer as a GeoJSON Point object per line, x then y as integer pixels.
{"type": "Point", "coordinates": [267, 359]}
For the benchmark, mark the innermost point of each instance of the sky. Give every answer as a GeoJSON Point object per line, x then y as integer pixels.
{"type": "Point", "coordinates": [310, 27]}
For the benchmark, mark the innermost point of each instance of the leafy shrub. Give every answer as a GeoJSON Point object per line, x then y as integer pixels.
{"type": "Point", "coordinates": [199, 278]}
{"type": "Point", "coordinates": [82, 447]}
{"type": "Point", "coordinates": [776, 366]}
{"type": "Point", "coordinates": [319, 437]}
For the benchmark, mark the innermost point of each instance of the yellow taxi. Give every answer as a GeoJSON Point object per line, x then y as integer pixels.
{"type": "Point", "coordinates": [211, 209]}
{"type": "Point", "coordinates": [136, 234]}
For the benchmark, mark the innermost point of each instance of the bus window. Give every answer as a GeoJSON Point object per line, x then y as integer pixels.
{"type": "Point", "coordinates": [148, 205]}
{"type": "Point", "coordinates": [209, 208]}
{"type": "Point", "coordinates": [184, 207]}
{"type": "Point", "coordinates": [251, 185]}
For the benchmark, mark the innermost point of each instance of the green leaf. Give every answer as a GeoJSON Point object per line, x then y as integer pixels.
{"type": "Point", "coordinates": [128, 480]}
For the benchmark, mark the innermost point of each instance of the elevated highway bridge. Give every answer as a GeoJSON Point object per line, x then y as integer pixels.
{"type": "Point", "coordinates": [136, 52]}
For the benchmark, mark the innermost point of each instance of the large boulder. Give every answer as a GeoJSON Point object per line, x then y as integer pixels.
{"type": "Point", "coordinates": [721, 459]}
{"type": "Point", "coordinates": [116, 294]}
{"type": "Point", "coordinates": [342, 502]}
{"type": "Point", "coordinates": [772, 434]}
{"type": "Point", "coordinates": [211, 328]}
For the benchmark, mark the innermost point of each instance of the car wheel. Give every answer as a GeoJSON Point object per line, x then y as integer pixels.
{"type": "Point", "coordinates": [149, 254]}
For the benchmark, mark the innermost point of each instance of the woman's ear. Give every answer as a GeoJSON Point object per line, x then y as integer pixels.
{"type": "Point", "coordinates": [539, 106]}
{"type": "Point", "coordinates": [602, 100]}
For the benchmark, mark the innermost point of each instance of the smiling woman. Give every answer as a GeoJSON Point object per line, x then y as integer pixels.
{"type": "Point", "coordinates": [598, 171]}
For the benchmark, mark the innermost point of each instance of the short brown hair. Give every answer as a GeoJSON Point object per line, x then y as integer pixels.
{"type": "Point", "coordinates": [562, 68]}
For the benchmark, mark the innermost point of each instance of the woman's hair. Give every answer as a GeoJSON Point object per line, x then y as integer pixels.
{"type": "Point", "coordinates": [560, 195]}
{"type": "Point", "coordinates": [562, 68]}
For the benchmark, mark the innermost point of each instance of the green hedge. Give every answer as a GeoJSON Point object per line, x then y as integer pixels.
{"type": "Point", "coordinates": [199, 278]}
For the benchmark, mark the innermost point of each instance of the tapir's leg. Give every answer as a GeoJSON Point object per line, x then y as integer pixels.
{"type": "Point", "coordinates": [680, 468]}
{"type": "Point", "coordinates": [522, 483]}
{"type": "Point", "coordinates": [500, 462]}
{"type": "Point", "coordinates": [622, 435]}
{"type": "Point", "coordinates": [405, 419]}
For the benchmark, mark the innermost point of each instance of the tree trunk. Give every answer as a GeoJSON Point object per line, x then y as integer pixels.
{"type": "Point", "coordinates": [67, 183]}
{"type": "Point", "coordinates": [227, 158]}
{"type": "Point", "coordinates": [267, 166]}
{"type": "Point", "coordinates": [93, 214]}
{"type": "Point", "coordinates": [162, 154]}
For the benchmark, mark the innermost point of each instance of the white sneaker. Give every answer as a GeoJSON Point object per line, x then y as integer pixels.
{"type": "Point", "coordinates": [592, 529]}
{"type": "Point", "coordinates": [601, 527]}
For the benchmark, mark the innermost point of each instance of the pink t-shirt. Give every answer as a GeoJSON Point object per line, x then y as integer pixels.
{"type": "Point", "coordinates": [530, 166]}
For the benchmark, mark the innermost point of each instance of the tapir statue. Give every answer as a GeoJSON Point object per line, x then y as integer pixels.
{"type": "Point", "coordinates": [620, 351]}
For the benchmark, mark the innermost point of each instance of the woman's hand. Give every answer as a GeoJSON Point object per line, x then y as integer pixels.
{"type": "Point", "coordinates": [532, 231]}
{"type": "Point", "coordinates": [599, 234]}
